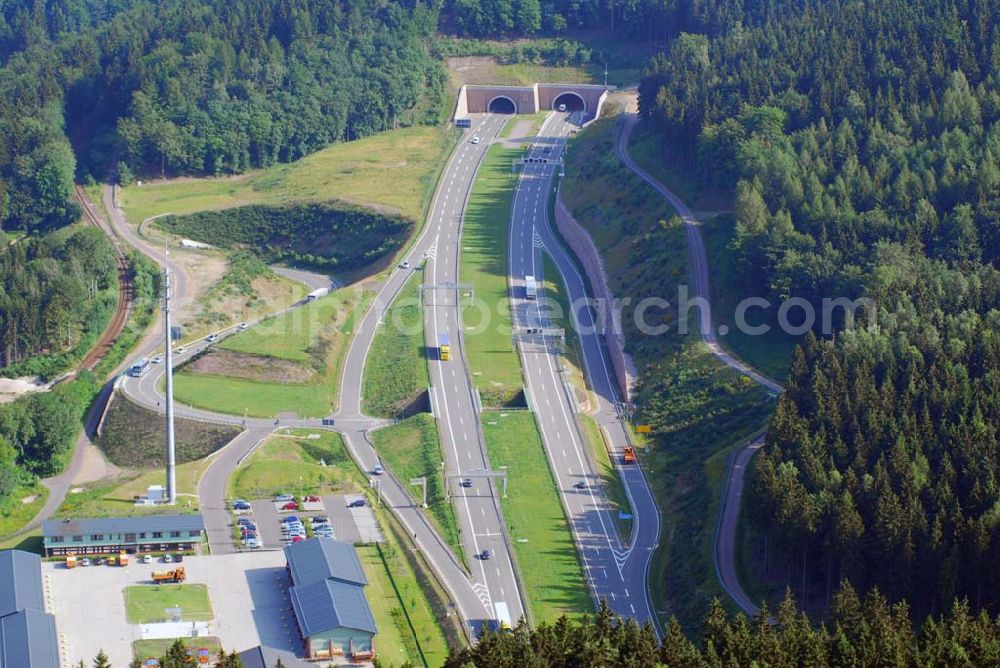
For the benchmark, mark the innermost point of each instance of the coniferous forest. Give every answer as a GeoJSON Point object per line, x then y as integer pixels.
{"type": "Point", "coordinates": [862, 142]}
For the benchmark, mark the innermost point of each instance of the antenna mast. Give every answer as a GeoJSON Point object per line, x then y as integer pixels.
{"type": "Point", "coordinates": [168, 363]}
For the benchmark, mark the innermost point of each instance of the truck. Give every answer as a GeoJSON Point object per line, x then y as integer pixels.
{"type": "Point", "coordinates": [173, 575]}
{"type": "Point", "coordinates": [444, 348]}
{"type": "Point", "coordinates": [120, 560]}
{"type": "Point", "coordinates": [530, 288]}
{"type": "Point", "coordinates": [70, 561]}
{"type": "Point", "coordinates": [317, 293]}
{"type": "Point", "coordinates": [503, 621]}
{"type": "Point", "coordinates": [629, 454]}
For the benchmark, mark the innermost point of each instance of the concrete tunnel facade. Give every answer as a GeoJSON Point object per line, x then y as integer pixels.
{"type": "Point", "coordinates": [586, 98]}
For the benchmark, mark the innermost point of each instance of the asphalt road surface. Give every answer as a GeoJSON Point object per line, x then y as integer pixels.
{"type": "Point", "coordinates": [616, 568]}
{"type": "Point", "coordinates": [725, 537]}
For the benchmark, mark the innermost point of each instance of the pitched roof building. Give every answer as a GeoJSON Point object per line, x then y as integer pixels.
{"type": "Point", "coordinates": [328, 599]}
{"type": "Point", "coordinates": [109, 535]}
{"type": "Point", "coordinates": [27, 632]}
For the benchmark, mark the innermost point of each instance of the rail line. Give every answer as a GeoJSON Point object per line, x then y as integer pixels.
{"type": "Point", "coordinates": [125, 289]}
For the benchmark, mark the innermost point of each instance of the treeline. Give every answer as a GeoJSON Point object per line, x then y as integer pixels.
{"type": "Point", "coordinates": [649, 20]}
{"type": "Point", "coordinates": [331, 237]}
{"type": "Point", "coordinates": [862, 143]}
{"type": "Point", "coordinates": [196, 87]}
{"type": "Point", "coordinates": [57, 294]}
{"type": "Point", "coordinates": [37, 431]}
{"type": "Point", "coordinates": [861, 632]}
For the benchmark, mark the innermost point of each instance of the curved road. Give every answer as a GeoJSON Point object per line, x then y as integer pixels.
{"type": "Point", "coordinates": [615, 571]}
{"type": "Point", "coordinates": [723, 554]}
{"type": "Point", "coordinates": [439, 245]}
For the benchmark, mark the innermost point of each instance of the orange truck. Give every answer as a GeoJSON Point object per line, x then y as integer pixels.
{"type": "Point", "coordinates": [629, 455]}
{"type": "Point", "coordinates": [175, 575]}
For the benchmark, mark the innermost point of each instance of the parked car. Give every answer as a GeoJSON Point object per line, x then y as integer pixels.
{"type": "Point", "coordinates": [245, 521]}
{"type": "Point", "coordinates": [486, 554]}
{"type": "Point", "coordinates": [167, 559]}
{"type": "Point", "coordinates": [298, 539]}
{"type": "Point", "coordinates": [85, 561]}
{"type": "Point", "coordinates": [290, 518]}
{"type": "Point", "coordinates": [178, 558]}
{"type": "Point", "coordinates": [284, 497]}
{"type": "Point", "coordinates": [291, 505]}
{"type": "Point", "coordinates": [311, 499]}
{"type": "Point", "coordinates": [240, 504]}
{"type": "Point", "coordinates": [356, 503]}
{"type": "Point", "coordinates": [319, 519]}
{"type": "Point", "coordinates": [147, 559]}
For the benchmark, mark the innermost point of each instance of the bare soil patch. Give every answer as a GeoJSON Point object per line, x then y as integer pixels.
{"type": "Point", "coordinates": [221, 362]}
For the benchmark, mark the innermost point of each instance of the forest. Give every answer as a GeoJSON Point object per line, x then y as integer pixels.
{"type": "Point", "coordinates": [330, 237]}
{"type": "Point", "coordinates": [196, 87]}
{"type": "Point", "coordinates": [57, 293]}
{"type": "Point", "coordinates": [861, 142]}
{"type": "Point", "coordinates": [862, 631]}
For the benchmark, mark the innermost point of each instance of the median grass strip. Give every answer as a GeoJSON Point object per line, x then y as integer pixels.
{"type": "Point", "coordinates": [300, 461]}
{"type": "Point", "coordinates": [315, 336]}
{"type": "Point", "coordinates": [492, 360]}
{"type": "Point", "coordinates": [147, 603]}
{"type": "Point", "coordinates": [543, 541]}
{"type": "Point", "coordinates": [411, 449]}
{"type": "Point", "coordinates": [396, 367]}
{"type": "Point", "coordinates": [408, 629]}
{"type": "Point", "coordinates": [393, 170]}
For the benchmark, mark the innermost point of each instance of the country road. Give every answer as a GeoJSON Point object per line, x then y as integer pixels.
{"type": "Point", "coordinates": [724, 552]}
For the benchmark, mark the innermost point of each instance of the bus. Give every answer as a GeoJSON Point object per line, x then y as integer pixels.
{"type": "Point", "coordinates": [503, 621]}
{"type": "Point", "coordinates": [139, 368]}
{"type": "Point", "coordinates": [530, 288]}
{"type": "Point", "coordinates": [444, 348]}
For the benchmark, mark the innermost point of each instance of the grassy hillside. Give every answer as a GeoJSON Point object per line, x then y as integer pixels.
{"type": "Point", "coordinates": [698, 409]}
{"type": "Point", "coordinates": [393, 170]}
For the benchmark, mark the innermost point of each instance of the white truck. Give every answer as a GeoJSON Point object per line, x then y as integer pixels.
{"type": "Point", "coordinates": [503, 620]}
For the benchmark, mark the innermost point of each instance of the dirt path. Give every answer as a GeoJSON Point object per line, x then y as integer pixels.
{"type": "Point", "coordinates": [724, 550]}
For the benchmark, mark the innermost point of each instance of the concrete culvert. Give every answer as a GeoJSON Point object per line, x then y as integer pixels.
{"type": "Point", "coordinates": [502, 105]}
{"type": "Point", "coordinates": [569, 102]}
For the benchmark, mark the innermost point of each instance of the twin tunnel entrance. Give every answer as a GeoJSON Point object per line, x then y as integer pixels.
{"type": "Point", "coordinates": [501, 104]}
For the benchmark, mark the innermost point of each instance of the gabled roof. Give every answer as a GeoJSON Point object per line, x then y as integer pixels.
{"type": "Point", "coordinates": [263, 656]}
{"type": "Point", "coordinates": [20, 582]}
{"type": "Point", "coordinates": [111, 525]}
{"type": "Point", "coordinates": [323, 558]}
{"type": "Point", "coordinates": [28, 640]}
{"type": "Point", "coordinates": [330, 604]}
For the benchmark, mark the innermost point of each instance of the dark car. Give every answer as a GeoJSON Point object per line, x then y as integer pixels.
{"type": "Point", "coordinates": [485, 554]}
{"type": "Point", "coordinates": [466, 482]}
{"type": "Point", "coordinates": [178, 558]}
{"type": "Point", "coordinates": [357, 503]}
{"type": "Point", "coordinates": [581, 485]}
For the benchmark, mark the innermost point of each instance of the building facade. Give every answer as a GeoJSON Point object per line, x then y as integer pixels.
{"type": "Point", "coordinates": [150, 533]}
{"type": "Point", "coordinates": [328, 599]}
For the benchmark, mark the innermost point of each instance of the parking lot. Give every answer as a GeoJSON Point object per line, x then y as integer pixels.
{"type": "Point", "coordinates": [248, 592]}
{"type": "Point", "coordinates": [351, 525]}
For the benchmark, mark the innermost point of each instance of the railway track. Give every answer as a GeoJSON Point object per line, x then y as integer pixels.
{"type": "Point", "coordinates": [125, 289]}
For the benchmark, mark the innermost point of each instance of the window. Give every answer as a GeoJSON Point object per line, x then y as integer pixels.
{"type": "Point", "coordinates": [175, 534]}
{"type": "Point", "coordinates": [130, 538]}
{"type": "Point", "coordinates": [157, 534]}
{"type": "Point", "coordinates": [194, 534]}
{"type": "Point", "coordinates": [97, 537]}
{"type": "Point", "coordinates": [56, 539]}
{"type": "Point", "coordinates": [77, 539]}
{"type": "Point", "coordinates": [142, 535]}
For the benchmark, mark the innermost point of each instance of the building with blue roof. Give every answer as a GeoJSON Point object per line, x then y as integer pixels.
{"type": "Point", "coordinates": [328, 599]}
{"type": "Point", "coordinates": [27, 632]}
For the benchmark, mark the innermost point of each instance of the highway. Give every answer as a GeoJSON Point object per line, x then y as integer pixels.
{"type": "Point", "coordinates": [616, 567]}
{"type": "Point", "coordinates": [723, 553]}
{"type": "Point", "coordinates": [478, 509]}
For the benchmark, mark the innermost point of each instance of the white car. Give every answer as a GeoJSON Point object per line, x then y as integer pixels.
{"type": "Point", "coordinates": [562, 107]}
{"type": "Point", "coordinates": [147, 559]}
{"type": "Point", "coordinates": [405, 264]}
{"type": "Point", "coordinates": [167, 559]}
{"type": "Point", "coordinates": [180, 351]}
{"type": "Point", "coordinates": [212, 338]}
{"type": "Point", "coordinates": [474, 140]}
{"type": "Point", "coordinates": [378, 470]}
{"type": "Point", "coordinates": [157, 360]}
{"type": "Point", "coordinates": [242, 326]}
